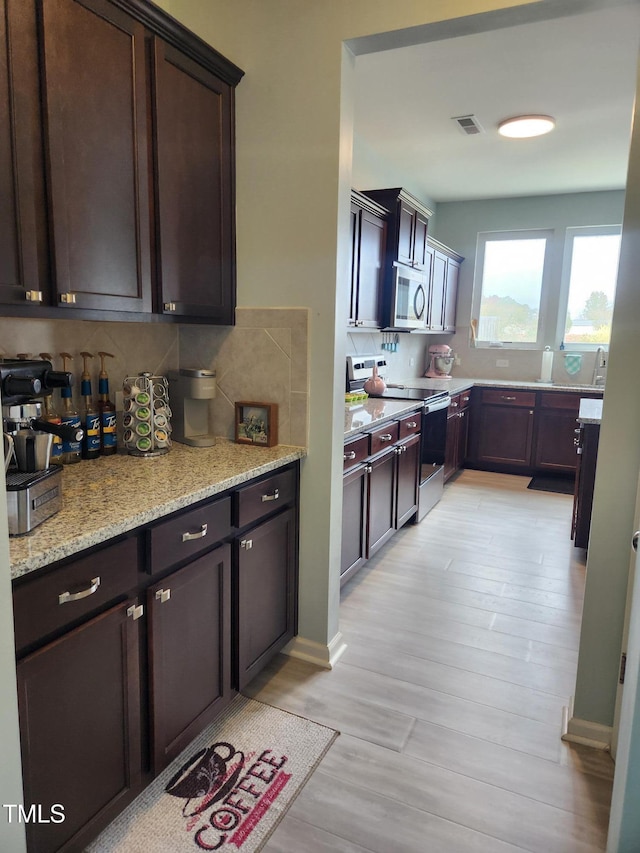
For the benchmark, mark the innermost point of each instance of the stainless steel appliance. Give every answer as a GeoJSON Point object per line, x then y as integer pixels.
{"type": "Point", "coordinates": [408, 298]}
{"type": "Point", "coordinates": [434, 425]}
{"type": "Point", "coordinates": [32, 496]}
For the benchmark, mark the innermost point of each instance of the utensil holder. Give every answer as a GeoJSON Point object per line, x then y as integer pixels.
{"type": "Point", "coordinates": [147, 415]}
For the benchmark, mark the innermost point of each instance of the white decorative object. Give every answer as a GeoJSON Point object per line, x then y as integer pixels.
{"type": "Point", "coordinates": [547, 365]}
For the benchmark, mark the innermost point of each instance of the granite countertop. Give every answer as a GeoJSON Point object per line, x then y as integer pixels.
{"type": "Point", "coordinates": [111, 495]}
{"type": "Point", "coordinates": [590, 411]}
{"type": "Point", "coordinates": [367, 413]}
{"type": "Point", "coordinates": [360, 416]}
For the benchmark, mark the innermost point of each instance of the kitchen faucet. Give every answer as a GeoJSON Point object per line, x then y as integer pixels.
{"type": "Point", "coordinates": [600, 364]}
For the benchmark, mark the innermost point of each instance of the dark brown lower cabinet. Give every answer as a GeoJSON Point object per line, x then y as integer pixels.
{"type": "Point", "coordinates": [354, 521]}
{"type": "Point", "coordinates": [408, 453]}
{"type": "Point", "coordinates": [379, 496]}
{"type": "Point", "coordinates": [79, 704]}
{"type": "Point", "coordinates": [381, 500]}
{"type": "Point", "coordinates": [265, 593]}
{"type": "Point", "coordinates": [587, 443]}
{"type": "Point", "coordinates": [189, 615]}
{"type": "Point", "coordinates": [506, 435]}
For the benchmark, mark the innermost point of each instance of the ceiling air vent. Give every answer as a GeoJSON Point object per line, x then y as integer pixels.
{"type": "Point", "coordinates": [468, 125]}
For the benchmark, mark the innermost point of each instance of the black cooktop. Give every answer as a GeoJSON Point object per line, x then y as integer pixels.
{"type": "Point", "coordinates": [410, 394]}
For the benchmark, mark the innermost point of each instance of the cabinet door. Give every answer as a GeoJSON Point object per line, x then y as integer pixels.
{"type": "Point", "coordinates": [406, 221]}
{"type": "Point", "coordinates": [354, 528]}
{"type": "Point", "coordinates": [195, 188]}
{"type": "Point", "coordinates": [554, 447]}
{"type": "Point", "coordinates": [436, 296]}
{"type": "Point", "coordinates": [190, 651]}
{"type": "Point", "coordinates": [408, 454]}
{"type": "Point", "coordinates": [450, 295]}
{"type": "Point", "coordinates": [381, 520]}
{"type": "Point", "coordinates": [266, 593]}
{"type": "Point", "coordinates": [354, 230]}
{"type": "Point", "coordinates": [23, 271]}
{"type": "Point", "coordinates": [505, 435]}
{"type": "Point", "coordinates": [79, 708]}
{"type": "Point", "coordinates": [421, 225]}
{"type": "Point", "coordinates": [373, 233]}
{"type": "Point", "coordinates": [96, 120]}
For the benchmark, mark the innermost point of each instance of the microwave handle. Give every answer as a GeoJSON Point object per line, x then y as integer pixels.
{"type": "Point", "coordinates": [419, 300]}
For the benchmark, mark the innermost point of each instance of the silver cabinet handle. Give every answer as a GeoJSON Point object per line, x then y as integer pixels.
{"type": "Point", "coordinates": [68, 298]}
{"type": "Point", "coordinates": [169, 306]}
{"type": "Point", "coordinates": [634, 541]}
{"type": "Point", "coordinates": [386, 437]}
{"type": "Point", "coordinates": [454, 405]}
{"type": "Point", "coordinates": [368, 469]}
{"type": "Point", "coordinates": [247, 544]}
{"type": "Point", "coordinates": [135, 611]}
{"type": "Point", "coordinates": [186, 537]}
{"type": "Point", "coordinates": [509, 399]}
{"type": "Point", "coordinates": [163, 595]}
{"type": "Point", "coordinates": [350, 455]}
{"type": "Point", "coordinates": [33, 296]}
{"type": "Point", "coordinates": [274, 497]}
{"type": "Point", "coordinates": [76, 596]}
{"type": "Point", "coordinates": [411, 424]}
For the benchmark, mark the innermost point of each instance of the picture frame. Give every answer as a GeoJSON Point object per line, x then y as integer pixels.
{"type": "Point", "coordinates": [256, 424]}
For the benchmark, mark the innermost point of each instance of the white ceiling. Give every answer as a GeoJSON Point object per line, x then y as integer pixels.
{"type": "Point", "coordinates": [579, 69]}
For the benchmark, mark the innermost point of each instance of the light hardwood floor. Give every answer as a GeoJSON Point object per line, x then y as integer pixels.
{"type": "Point", "coordinates": [462, 641]}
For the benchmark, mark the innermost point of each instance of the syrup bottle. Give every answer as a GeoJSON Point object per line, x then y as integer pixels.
{"type": "Point", "coordinates": [107, 410]}
{"type": "Point", "coordinates": [90, 415]}
{"type": "Point", "coordinates": [71, 450]}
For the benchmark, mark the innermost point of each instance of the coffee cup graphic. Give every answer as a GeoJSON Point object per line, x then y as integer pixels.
{"type": "Point", "coordinates": [206, 777]}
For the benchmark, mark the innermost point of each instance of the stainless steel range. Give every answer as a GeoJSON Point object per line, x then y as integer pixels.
{"type": "Point", "coordinates": [434, 425]}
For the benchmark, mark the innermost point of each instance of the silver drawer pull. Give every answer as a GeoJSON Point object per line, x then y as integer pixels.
{"type": "Point", "coordinates": [274, 497]}
{"type": "Point", "coordinates": [76, 596]}
{"type": "Point", "coordinates": [187, 537]}
{"type": "Point", "coordinates": [411, 424]}
{"type": "Point", "coordinates": [163, 595]}
{"type": "Point", "coordinates": [350, 455]}
{"type": "Point", "coordinates": [454, 405]}
{"type": "Point", "coordinates": [136, 611]}
{"type": "Point", "coordinates": [386, 437]}
{"type": "Point", "coordinates": [509, 399]}
{"type": "Point", "coordinates": [247, 544]}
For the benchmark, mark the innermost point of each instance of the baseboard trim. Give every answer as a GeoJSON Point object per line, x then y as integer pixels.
{"type": "Point", "coordinates": [325, 656]}
{"type": "Point", "coordinates": [586, 732]}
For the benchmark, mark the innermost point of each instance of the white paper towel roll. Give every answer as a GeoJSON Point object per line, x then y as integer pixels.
{"type": "Point", "coordinates": [547, 365]}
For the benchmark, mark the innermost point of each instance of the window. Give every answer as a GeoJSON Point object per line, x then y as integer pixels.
{"type": "Point", "coordinates": [590, 274]}
{"type": "Point", "coordinates": [509, 297]}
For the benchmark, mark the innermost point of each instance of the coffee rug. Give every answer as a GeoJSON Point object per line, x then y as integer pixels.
{"type": "Point", "coordinates": [228, 790]}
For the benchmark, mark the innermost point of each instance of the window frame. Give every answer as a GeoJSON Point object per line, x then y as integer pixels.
{"type": "Point", "coordinates": [485, 237]}
{"type": "Point", "coordinates": [570, 234]}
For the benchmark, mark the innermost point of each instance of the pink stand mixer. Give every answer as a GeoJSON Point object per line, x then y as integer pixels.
{"type": "Point", "coordinates": [441, 359]}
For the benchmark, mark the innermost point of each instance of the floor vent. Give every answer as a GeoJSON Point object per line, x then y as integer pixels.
{"type": "Point", "coordinates": [468, 125]}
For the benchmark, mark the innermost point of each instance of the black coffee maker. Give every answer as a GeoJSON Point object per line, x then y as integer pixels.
{"type": "Point", "coordinates": [32, 495]}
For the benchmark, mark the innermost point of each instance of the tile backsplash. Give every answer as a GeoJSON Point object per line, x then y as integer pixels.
{"type": "Point", "coordinates": [264, 358]}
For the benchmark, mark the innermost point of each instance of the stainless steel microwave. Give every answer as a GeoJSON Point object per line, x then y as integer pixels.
{"type": "Point", "coordinates": [408, 298]}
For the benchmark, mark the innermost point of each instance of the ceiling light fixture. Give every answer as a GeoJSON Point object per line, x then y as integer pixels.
{"type": "Point", "coordinates": [522, 127]}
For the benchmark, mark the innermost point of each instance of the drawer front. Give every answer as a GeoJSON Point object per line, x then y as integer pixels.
{"type": "Point", "coordinates": [187, 535]}
{"type": "Point", "coordinates": [410, 424]}
{"type": "Point", "coordinates": [54, 600]}
{"type": "Point", "coordinates": [384, 436]}
{"type": "Point", "coordinates": [555, 400]}
{"type": "Point", "coordinates": [465, 398]}
{"type": "Point", "coordinates": [259, 499]}
{"type": "Point", "coordinates": [355, 452]}
{"type": "Point", "coordinates": [508, 397]}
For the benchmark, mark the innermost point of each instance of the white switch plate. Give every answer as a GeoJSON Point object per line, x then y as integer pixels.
{"type": "Point", "coordinates": [502, 362]}
{"type": "Point", "coordinates": [412, 362]}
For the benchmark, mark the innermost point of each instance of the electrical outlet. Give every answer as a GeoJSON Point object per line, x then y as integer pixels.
{"type": "Point", "coordinates": [502, 362]}
{"type": "Point", "coordinates": [457, 361]}
{"type": "Point", "coordinates": [412, 362]}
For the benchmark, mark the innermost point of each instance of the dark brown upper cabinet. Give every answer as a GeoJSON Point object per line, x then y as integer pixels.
{"type": "Point", "coordinates": [23, 247]}
{"type": "Point", "coordinates": [131, 119]}
{"type": "Point", "coordinates": [407, 227]}
{"type": "Point", "coordinates": [368, 246]}
{"type": "Point", "coordinates": [194, 188]}
{"type": "Point", "coordinates": [96, 131]}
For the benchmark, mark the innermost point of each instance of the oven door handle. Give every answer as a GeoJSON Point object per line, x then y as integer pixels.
{"type": "Point", "coordinates": [437, 405]}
